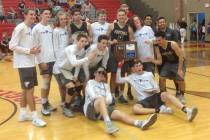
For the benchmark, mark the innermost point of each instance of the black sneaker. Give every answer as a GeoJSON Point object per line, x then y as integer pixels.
{"type": "Point", "coordinates": [50, 107]}
{"type": "Point", "coordinates": [68, 112]}
{"type": "Point", "coordinates": [45, 110]}
{"type": "Point", "coordinates": [122, 100]}
{"type": "Point", "coordinates": [77, 102]}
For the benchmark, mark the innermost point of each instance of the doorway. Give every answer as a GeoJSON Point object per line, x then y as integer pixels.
{"type": "Point", "coordinates": [195, 22]}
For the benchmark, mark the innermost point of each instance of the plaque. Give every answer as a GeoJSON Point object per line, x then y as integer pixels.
{"type": "Point", "coordinates": [125, 50]}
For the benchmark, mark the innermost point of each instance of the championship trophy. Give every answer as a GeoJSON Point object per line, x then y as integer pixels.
{"type": "Point", "coordinates": [125, 50]}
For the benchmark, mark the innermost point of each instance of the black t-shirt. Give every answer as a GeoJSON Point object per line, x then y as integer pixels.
{"type": "Point", "coordinates": [168, 54]}
{"type": "Point", "coordinates": [120, 34]}
{"type": "Point", "coordinates": [75, 30]}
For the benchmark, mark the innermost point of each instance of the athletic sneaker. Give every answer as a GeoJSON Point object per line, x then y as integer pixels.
{"type": "Point", "coordinates": [45, 110]}
{"type": "Point", "coordinates": [144, 125]}
{"type": "Point", "coordinates": [77, 102]}
{"type": "Point", "coordinates": [165, 110]}
{"type": "Point", "coordinates": [122, 100]}
{"type": "Point", "coordinates": [68, 112]}
{"type": "Point", "coordinates": [191, 113]}
{"type": "Point", "coordinates": [38, 122]}
{"type": "Point", "coordinates": [181, 99]}
{"type": "Point", "coordinates": [50, 107]}
{"type": "Point", "coordinates": [110, 128]}
{"type": "Point", "coordinates": [62, 104]}
{"type": "Point", "coordinates": [24, 117]}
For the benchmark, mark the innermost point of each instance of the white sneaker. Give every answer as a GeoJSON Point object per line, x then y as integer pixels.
{"type": "Point", "coordinates": [166, 110]}
{"type": "Point", "coordinates": [38, 122]}
{"type": "Point", "coordinates": [110, 128]}
{"type": "Point", "coordinates": [144, 125]}
{"type": "Point", "coordinates": [24, 117]}
{"type": "Point", "coordinates": [191, 113]}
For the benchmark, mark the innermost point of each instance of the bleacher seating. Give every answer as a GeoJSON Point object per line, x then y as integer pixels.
{"type": "Point", "coordinates": [14, 4]}
{"type": "Point", "coordinates": [8, 27]}
{"type": "Point", "coordinates": [111, 7]}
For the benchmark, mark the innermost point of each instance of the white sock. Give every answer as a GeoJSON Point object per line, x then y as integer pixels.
{"type": "Point", "coordinates": [34, 114]}
{"type": "Point", "coordinates": [107, 119]}
{"type": "Point", "coordinates": [44, 100]}
{"type": "Point", "coordinates": [23, 110]}
{"type": "Point", "coordinates": [136, 122]}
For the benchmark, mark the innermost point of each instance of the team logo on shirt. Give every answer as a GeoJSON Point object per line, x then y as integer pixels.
{"type": "Point", "coordinates": [64, 34]}
{"type": "Point", "coordinates": [29, 33]}
{"type": "Point", "coordinates": [46, 32]}
{"type": "Point", "coordinates": [100, 29]}
{"type": "Point", "coordinates": [141, 80]}
{"type": "Point", "coordinates": [142, 34]}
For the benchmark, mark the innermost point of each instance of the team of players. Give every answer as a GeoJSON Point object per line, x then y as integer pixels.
{"type": "Point", "coordinates": [77, 51]}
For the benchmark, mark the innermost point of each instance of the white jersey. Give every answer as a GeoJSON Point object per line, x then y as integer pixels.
{"type": "Point", "coordinates": [43, 37]}
{"type": "Point", "coordinates": [100, 56]}
{"type": "Point", "coordinates": [21, 43]}
{"type": "Point", "coordinates": [145, 49]}
{"type": "Point", "coordinates": [60, 42]}
{"type": "Point", "coordinates": [73, 58]}
{"type": "Point", "coordinates": [96, 89]}
{"type": "Point", "coordinates": [142, 83]}
{"type": "Point", "coordinates": [98, 29]}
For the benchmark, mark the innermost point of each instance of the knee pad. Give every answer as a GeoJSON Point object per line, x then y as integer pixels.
{"type": "Point", "coordinates": [45, 83]}
{"type": "Point", "coordinates": [79, 88]}
{"type": "Point", "coordinates": [71, 91]}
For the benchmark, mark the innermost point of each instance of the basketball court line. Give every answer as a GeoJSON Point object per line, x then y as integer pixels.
{"type": "Point", "coordinates": [13, 113]}
{"type": "Point", "coordinates": [203, 75]}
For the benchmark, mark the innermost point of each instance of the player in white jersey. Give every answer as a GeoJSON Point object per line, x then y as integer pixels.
{"type": "Point", "coordinates": [73, 58]}
{"type": "Point", "coordinates": [100, 27]}
{"type": "Point", "coordinates": [60, 42]}
{"type": "Point", "coordinates": [24, 60]}
{"type": "Point", "coordinates": [102, 56]}
{"type": "Point", "coordinates": [150, 99]}
{"type": "Point", "coordinates": [144, 37]}
{"type": "Point", "coordinates": [97, 105]}
{"type": "Point", "coordinates": [43, 38]}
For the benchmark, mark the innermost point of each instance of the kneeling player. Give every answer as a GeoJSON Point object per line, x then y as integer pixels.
{"type": "Point", "coordinates": [74, 57]}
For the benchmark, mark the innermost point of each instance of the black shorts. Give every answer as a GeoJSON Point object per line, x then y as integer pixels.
{"type": "Point", "coordinates": [153, 101]}
{"type": "Point", "coordinates": [170, 71]}
{"type": "Point", "coordinates": [28, 77]}
{"type": "Point", "coordinates": [49, 70]}
{"type": "Point", "coordinates": [91, 113]}
{"type": "Point", "coordinates": [63, 80]}
{"type": "Point", "coordinates": [59, 79]}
